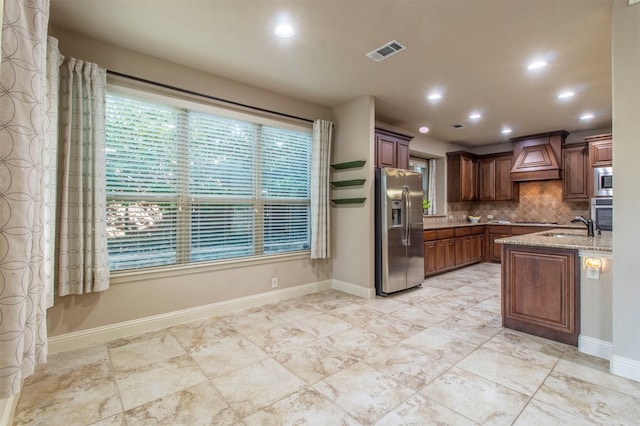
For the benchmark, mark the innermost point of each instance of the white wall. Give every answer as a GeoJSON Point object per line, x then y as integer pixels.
{"type": "Point", "coordinates": [353, 225]}
{"type": "Point", "coordinates": [626, 152]}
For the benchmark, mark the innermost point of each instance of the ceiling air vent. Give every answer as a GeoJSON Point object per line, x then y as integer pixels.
{"type": "Point", "coordinates": [457, 125]}
{"type": "Point", "coordinates": [389, 49]}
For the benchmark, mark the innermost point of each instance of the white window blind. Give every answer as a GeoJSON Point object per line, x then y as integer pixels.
{"type": "Point", "coordinates": [189, 186]}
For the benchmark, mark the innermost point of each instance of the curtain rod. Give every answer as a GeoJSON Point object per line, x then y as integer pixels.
{"type": "Point", "coordinates": [213, 98]}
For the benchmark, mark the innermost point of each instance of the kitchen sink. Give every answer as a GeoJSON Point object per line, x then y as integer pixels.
{"type": "Point", "coordinates": [561, 235]}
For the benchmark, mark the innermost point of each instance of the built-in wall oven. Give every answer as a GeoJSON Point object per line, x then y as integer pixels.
{"type": "Point", "coordinates": [603, 181]}
{"type": "Point", "coordinates": [602, 212]}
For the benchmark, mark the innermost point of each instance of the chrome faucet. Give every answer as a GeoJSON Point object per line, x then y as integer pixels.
{"type": "Point", "coordinates": [590, 223]}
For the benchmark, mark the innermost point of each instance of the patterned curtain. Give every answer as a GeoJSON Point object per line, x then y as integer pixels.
{"type": "Point", "coordinates": [82, 257]}
{"type": "Point", "coordinates": [23, 125]}
{"type": "Point", "coordinates": [320, 159]}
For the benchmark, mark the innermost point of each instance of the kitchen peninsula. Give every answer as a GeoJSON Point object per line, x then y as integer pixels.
{"type": "Point", "coordinates": [542, 275]}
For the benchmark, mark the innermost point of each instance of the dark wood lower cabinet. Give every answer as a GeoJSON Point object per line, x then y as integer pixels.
{"type": "Point", "coordinates": [447, 249]}
{"type": "Point", "coordinates": [541, 292]}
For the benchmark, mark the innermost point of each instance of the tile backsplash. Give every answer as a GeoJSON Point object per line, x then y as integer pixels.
{"type": "Point", "coordinates": [540, 201]}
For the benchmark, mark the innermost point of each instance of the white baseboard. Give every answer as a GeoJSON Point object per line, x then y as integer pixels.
{"type": "Point", "coordinates": [595, 347]}
{"type": "Point", "coordinates": [7, 410]}
{"type": "Point", "coordinates": [106, 333]}
{"type": "Point", "coordinates": [356, 290]}
{"type": "Point", "coordinates": [625, 367]}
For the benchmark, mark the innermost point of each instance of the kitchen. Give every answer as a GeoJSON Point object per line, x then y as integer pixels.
{"type": "Point", "coordinates": [351, 268]}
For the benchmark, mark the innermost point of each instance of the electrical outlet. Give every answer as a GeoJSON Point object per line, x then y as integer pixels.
{"type": "Point", "coordinates": [633, 2]}
{"type": "Point", "coordinates": [274, 282]}
{"type": "Point", "coordinates": [489, 216]}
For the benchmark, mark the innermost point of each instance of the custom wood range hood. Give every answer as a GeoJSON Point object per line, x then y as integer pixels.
{"type": "Point", "coordinates": [538, 157]}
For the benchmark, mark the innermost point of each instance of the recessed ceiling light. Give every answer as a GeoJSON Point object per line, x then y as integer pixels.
{"type": "Point", "coordinates": [564, 95]}
{"type": "Point", "coordinates": [586, 116]}
{"type": "Point", "coordinates": [475, 116]}
{"type": "Point", "coordinates": [423, 129]}
{"type": "Point", "coordinates": [537, 65]}
{"type": "Point", "coordinates": [434, 96]}
{"type": "Point", "coordinates": [284, 30]}
{"type": "Point", "coordinates": [506, 131]}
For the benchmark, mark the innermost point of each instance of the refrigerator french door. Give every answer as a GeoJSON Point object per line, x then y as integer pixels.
{"type": "Point", "coordinates": [399, 244]}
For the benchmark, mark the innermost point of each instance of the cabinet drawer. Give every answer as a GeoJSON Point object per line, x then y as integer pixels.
{"type": "Point", "coordinates": [445, 233]}
{"type": "Point", "coordinates": [463, 232]}
{"type": "Point", "coordinates": [429, 235]}
{"type": "Point", "coordinates": [522, 230]}
{"type": "Point", "coordinates": [476, 230]}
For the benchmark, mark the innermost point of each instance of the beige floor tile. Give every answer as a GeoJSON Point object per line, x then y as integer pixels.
{"type": "Point", "coordinates": [466, 295]}
{"type": "Point", "coordinates": [441, 307]}
{"type": "Point", "coordinates": [596, 370]}
{"type": "Point", "coordinates": [418, 316]}
{"type": "Point", "coordinates": [257, 386]}
{"type": "Point", "coordinates": [589, 401]}
{"type": "Point", "coordinates": [407, 366]}
{"type": "Point", "coordinates": [392, 328]}
{"type": "Point", "coordinates": [355, 313]}
{"type": "Point", "coordinates": [385, 305]}
{"type": "Point", "coordinates": [528, 348]}
{"type": "Point", "coordinates": [249, 321]}
{"type": "Point", "coordinates": [152, 381]}
{"type": "Point", "coordinates": [83, 394]}
{"type": "Point", "coordinates": [291, 310]}
{"type": "Point", "coordinates": [218, 359]}
{"type": "Point", "coordinates": [358, 342]}
{"type": "Point", "coordinates": [322, 325]}
{"type": "Point", "coordinates": [363, 392]}
{"type": "Point", "coordinates": [471, 331]}
{"type": "Point", "coordinates": [476, 398]}
{"type": "Point", "coordinates": [145, 350]}
{"type": "Point", "coordinates": [439, 346]}
{"type": "Point", "coordinates": [197, 334]}
{"type": "Point", "coordinates": [420, 410]}
{"type": "Point", "coordinates": [198, 405]}
{"type": "Point", "coordinates": [538, 413]}
{"type": "Point", "coordinates": [315, 361]}
{"type": "Point", "coordinates": [280, 339]}
{"type": "Point", "coordinates": [506, 370]}
{"type": "Point", "coordinates": [117, 420]}
{"type": "Point", "coordinates": [307, 406]}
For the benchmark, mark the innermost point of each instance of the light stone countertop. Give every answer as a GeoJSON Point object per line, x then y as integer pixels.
{"type": "Point", "coordinates": [464, 224]}
{"type": "Point", "coordinates": [575, 239]}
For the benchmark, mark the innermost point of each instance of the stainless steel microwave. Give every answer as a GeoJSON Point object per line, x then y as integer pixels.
{"type": "Point", "coordinates": [603, 181]}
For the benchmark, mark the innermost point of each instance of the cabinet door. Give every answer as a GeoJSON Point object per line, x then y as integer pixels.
{"type": "Point", "coordinates": [402, 156]}
{"type": "Point", "coordinates": [478, 248]}
{"type": "Point", "coordinates": [450, 253]}
{"type": "Point", "coordinates": [487, 179]}
{"type": "Point", "coordinates": [468, 178]}
{"type": "Point", "coordinates": [601, 153]}
{"type": "Point", "coordinates": [429, 258]}
{"type": "Point", "coordinates": [541, 292]}
{"type": "Point", "coordinates": [575, 180]}
{"type": "Point", "coordinates": [506, 190]}
{"type": "Point", "coordinates": [495, 249]}
{"type": "Point", "coordinates": [385, 152]}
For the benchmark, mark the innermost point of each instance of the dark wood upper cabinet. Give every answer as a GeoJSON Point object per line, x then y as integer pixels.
{"type": "Point", "coordinates": [483, 178]}
{"type": "Point", "coordinates": [462, 177]}
{"type": "Point", "coordinates": [600, 150]}
{"type": "Point", "coordinates": [575, 172]}
{"type": "Point", "coordinates": [392, 149]}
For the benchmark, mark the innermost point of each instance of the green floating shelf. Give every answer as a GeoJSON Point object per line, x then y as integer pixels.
{"type": "Point", "coordinates": [348, 201]}
{"type": "Point", "coordinates": [349, 165]}
{"type": "Point", "coordinates": [344, 183]}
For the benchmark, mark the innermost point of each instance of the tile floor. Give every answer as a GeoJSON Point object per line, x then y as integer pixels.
{"type": "Point", "coordinates": [432, 355]}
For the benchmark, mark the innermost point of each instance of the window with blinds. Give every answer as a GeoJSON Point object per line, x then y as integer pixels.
{"type": "Point", "coordinates": [188, 186]}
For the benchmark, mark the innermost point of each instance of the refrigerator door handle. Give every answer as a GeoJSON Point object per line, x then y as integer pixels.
{"type": "Point", "coordinates": [406, 241]}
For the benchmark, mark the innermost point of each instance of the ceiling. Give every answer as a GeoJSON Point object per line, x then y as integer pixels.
{"type": "Point", "coordinates": [475, 51]}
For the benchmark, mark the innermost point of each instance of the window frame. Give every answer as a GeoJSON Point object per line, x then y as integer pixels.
{"type": "Point", "coordinates": [180, 267]}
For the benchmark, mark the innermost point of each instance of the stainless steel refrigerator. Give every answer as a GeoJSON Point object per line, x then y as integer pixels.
{"type": "Point", "coordinates": [399, 244]}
